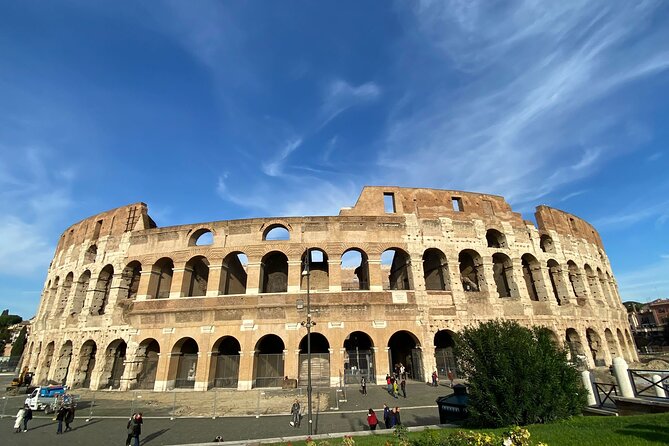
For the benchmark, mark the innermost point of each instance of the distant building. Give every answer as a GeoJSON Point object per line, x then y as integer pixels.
{"type": "Point", "coordinates": [648, 323]}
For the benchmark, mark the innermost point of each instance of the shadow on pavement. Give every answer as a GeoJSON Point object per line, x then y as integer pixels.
{"type": "Point", "coordinates": [82, 426]}
{"type": "Point", "coordinates": [153, 436]}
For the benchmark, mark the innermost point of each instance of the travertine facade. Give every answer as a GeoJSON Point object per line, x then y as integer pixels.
{"type": "Point", "coordinates": [129, 305]}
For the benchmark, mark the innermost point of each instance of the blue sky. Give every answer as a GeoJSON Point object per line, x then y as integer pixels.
{"type": "Point", "coordinates": [220, 110]}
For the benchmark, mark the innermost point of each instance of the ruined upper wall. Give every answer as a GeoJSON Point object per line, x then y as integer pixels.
{"type": "Point", "coordinates": [562, 222]}
{"type": "Point", "coordinates": [113, 222]}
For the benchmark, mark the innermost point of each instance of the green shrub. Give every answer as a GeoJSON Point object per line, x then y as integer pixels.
{"type": "Point", "coordinates": [514, 437]}
{"type": "Point", "coordinates": [517, 375]}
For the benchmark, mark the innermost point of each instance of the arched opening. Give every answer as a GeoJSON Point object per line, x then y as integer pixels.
{"type": "Point", "coordinates": [354, 270]}
{"type": "Point", "coordinates": [606, 291]}
{"type": "Point", "coordinates": [233, 274]}
{"type": "Point", "coordinates": [130, 278]}
{"type": "Point", "coordinates": [84, 372]}
{"type": "Point", "coordinates": [146, 359]}
{"type": "Point", "coordinates": [315, 261]}
{"type": "Point", "coordinates": [471, 269]}
{"type": "Point", "coordinates": [54, 295]}
{"type": "Point", "coordinates": [161, 278]}
{"type": "Point", "coordinates": [80, 293]}
{"type": "Point", "coordinates": [502, 273]}
{"type": "Point", "coordinates": [90, 254]}
{"type": "Point", "coordinates": [557, 284]}
{"type": "Point", "coordinates": [268, 362]}
{"type": "Point", "coordinates": [546, 243]}
{"type": "Point", "coordinates": [196, 276]}
{"type": "Point", "coordinates": [274, 273]}
{"type": "Point", "coordinates": [65, 293]}
{"type": "Point", "coordinates": [227, 351]}
{"type": "Point", "coordinates": [575, 347]}
{"type": "Point", "coordinates": [47, 361]}
{"type": "Point", "coordinates": [435, 270]}
{"type": "Point", "coordinates": [358, 358]}
{"type": "Point", "coordinates": [45, 302]}
{"type": "Point", "coordinates": [114, 364]}
{"type": "Point", "coordinates": [611, 343]}
{"type": "Point", "coordinates": [495, 239]}
{"type": "Point", "coordinates": [615, 297]}
{"type": "Point", "coordinates": [592, 282]}
{"type": "Point", "coordinates": [631, 344]}
{"type": "Point", "coordinates": [596, 348]}
{"type": "Point", "coordinates": [201, 237]}
{"type": "Point", "coordinates": [404, 349]}
{"type": "Point", "coordinates": [320, 361]}
{"type": "Point", "coordinates": [398, 264]}
{"type": "Point", "coordinates": [276, 232]}
{"type": "Point", "coordinates": [102, 289]}
{"type": "Point", "coordinates": [63, 363]}
{"type": "Point", "coordinates": [577, 285]}
{"type": "Point", "coordinates": [532, 276]}
{"type": "Point", "coordinates": [444, 343]}
{"type": "Point", "coordinates": [183, 363]}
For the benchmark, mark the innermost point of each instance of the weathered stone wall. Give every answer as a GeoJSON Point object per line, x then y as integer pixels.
{"type": "Point", "coordinates": [128, 304]}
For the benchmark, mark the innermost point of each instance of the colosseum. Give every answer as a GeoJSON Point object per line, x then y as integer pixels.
{"type": "Point", "coordinates": [129, 305]}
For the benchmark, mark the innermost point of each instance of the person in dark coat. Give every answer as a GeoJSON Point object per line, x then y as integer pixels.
{"type": "Point", "coordinates": [129, 430]}
{"type": "Point", "coordinates": [60, 416]}
{"type": "Point", "coordinates": [27, 417]}
{"type": "Point", "coordinates": [403, 386]}
{"type": "Point", "coordinates": [386, 416]}
{"type": "Point", "coordinates": [136, 427]}
{"type": "Point", "coordinates": [396, 416]}
{"type": "Point", "coordinates": [69, 418]}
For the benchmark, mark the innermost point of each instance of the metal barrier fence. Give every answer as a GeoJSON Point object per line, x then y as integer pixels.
{"type": "Point", "coordinates": [603, 393]}
{"type": "Point", "coordinates": [649, 383]}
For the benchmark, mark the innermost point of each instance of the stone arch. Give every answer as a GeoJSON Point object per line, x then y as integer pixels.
{"type": "Point", "coordinates": [502, 270]}
{"type": "Point", "coordinates": [592, 282]}
{"type": "Point", "coordinates": [90, 254]}
{"type": "Point", "coordinates": [495, 239]}
{"type": "Point", "coordinates": [532, 277]}
{"type": "Point", "coordinates": [577, 284]}
{"type": "Point", "coordinates": [435, 270]}
{"type": "Point", "coordinates": [45, 303]}
{"type": "Point", "coordinates": [80, 292]}
{"type": "Point", "coordinates": [64, 294]}
{"type": "Point", "coordinates": [404, 348]}
{"type": "Point", "coordinates": [399, 275]}
{"type": "Point", "coordinates": [274, 273]}
{"type": "Point", "coordinates": [84, 372]}
{"type": "Point", "coordinates": [276, 232]}
{"type": "Point", "coordinates": [268, 361]}
{"type": "Point", "coordinates": [354, 259]}
{"type": "Point", "coordinates": [225, 362]}
{"type": "Point", "coordinates": [359, 358]}
{"type": "Point", "coordinates": [623, 345]}
{"type": "Point", "coordinates": [53, 302]}
{"type": "Point", "coordinates": [632, 346]}
{"type": "Point", "coordinates": [596, 347]}
{"type": "Point", "coordinates": [606, 291]}
{"type": "Point", "coordinates": [201, 237]}
{"type": "Point", "coordinates": [320, 361]}
{"type": "Point", "coordinates": [558, 286]}
{"type": "Point", "coordinates": [196, 276]}
{"type": "Point", "coordinates": [47, 362]}
{"type": "Point", "coordinates": [146, 361]}
{"type": "Point", "coordinates": [183, 363]}
{"type": "Point", "coordinates": [233, 273]}
{"type": "Point", "coordinates": [102, 290]}
{"type": "Point", "coordinates": [546, 243]}
{"type": "Point", "coordinates": [160, 282]}
{"type": "Point", "coordinates": [315, 261]}
{"type": "Point", "coordinates": [615, 297]}
{"type": "Point", "coordinates": [471, 270]}
{"type": "Point", "coordinates": [612, 345]}
{"type": "Point", "coordinates": [130, 277]}
{"type": "Point", "coordinates": [114, 364]}
{"type": "Point", "coordinates": [575, 347]}
{"type": "Point", "coordinates": [444, 344]}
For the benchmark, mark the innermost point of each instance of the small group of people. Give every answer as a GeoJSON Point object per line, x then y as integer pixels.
{"type": "Point", "coordinates": [64, 414]}
{"type": "Point", "coordinates": [134, 429]}
{"type": "Point", "coordinates": [391, 417]}
{"type": "Point", "coordinates": [449, 374]}
{"type": "Point", "coordinates": [393, 386]}
{"type": "Point", "coordinates": [24, 415]}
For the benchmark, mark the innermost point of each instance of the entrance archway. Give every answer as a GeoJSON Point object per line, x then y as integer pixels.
{"type": "Point", "coordinates": [48, 358]}
{"type": "Point", "coordinates": [227, 351]}
{"type": "Point", "coordinates": [84, 372]}
{"type": "Point", "coordinates": [320, 361]}
{"type": "Point", "coordinates": [575, 346]}
{"type": "Point", "coordinates": [443, 353]}
{"type": "Point", "coordinates": [147, 356]}
{"type": "Point", "coordinates": [404, 349]}
{"type": "Point", "coordinates": [186, 350]}
{"type": "Point", "coordinates": [114, 365]}
{"type": "Point", "coordinates": [596, 347]}
{"type": "Point", "coordinates": [268, 362]}
{"type": "Point", "coordinates": [63, 363]}
{"type": "Point", "coordinates": [359, 358]}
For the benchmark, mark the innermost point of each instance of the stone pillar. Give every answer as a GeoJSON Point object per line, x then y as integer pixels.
{"type": "Point", "coordinates": [294, 275]}
{"type": "Point", "coordinates": [336, 365]}
{"type": "Point", "coordinates": [542, 283]}
{"type": "Point", "coordinates": [253, 284]}
{"type": "Point", "coordinates": [334, 269]}
{"type": "Point", "coordinates": [659, 390]}
{"type": "Point", "coordinates": [214, 282]}
{"type": "Point", "coordinates": [245, 381]}
{"type": "Point", "coordinates": [382, 363]}
{"type": "Point", "coordinates": [202, 371]}
{"type": "Point", "coordinates": [162, 372]}
{"type": "Point", "coordinates": [487, 279]}
{"type": "Point", "coordinates": [429, 361]}
{"type": "Point", "coordinates": [178, 283]}
{"type": "Point", "coordinates": [375, 276]}
{"type": "Point", "coordinates": [622, 377]}
{"type": "Point", "coordinates": [587, 384]}
{"type": "Point", "coordinates": [143, 291]}
{"type": "Point", "coordinates": [290, 363]}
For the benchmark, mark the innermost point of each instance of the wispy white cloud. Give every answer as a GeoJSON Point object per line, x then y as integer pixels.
{"type": "Point", "coordinates": [274, 168]}
{"type": "Point", "coordinates": [573, 195]}
{"type": "Point", "coordinates": [634, 213]}
{"type": "Point", "coordinates": [341, 95]}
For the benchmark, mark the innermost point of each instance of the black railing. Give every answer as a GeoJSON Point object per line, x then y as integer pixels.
{"type": "Point", "coordinates": [644, 386]}
{"type": "Point", "coordinates": [603, 392]}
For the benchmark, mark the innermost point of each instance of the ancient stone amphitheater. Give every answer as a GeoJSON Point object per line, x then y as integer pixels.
{"type": "Point", "coordinates": [129, 305]}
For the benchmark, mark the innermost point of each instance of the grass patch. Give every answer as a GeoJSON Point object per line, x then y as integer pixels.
{"type": "Point", "coordinates": [639, 430]}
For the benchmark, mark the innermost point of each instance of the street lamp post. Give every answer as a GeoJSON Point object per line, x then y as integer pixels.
{"type": "Point", "coordinates": [308, 324]}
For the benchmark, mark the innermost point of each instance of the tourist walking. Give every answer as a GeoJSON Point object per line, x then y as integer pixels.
{"type": "Point", "coordinates": [389, 384]}
{"type": "Point", "coordinates": [403, 386]}
{"type": "Point", "coordinates": [435, 379]}
{"type": "Point", "coordinates": [27, 416]}
{"type": "Point", "coordinates": [451, 376]}
{"type": "Point", "coordinates": [60, 416]}
{"type": "Point", "coordinates": [69, 418]}
{"type": "Point", "coordinates": [386, 416]}
{"type": "Point", "coordinates": [19, 419]}
{"type": "Point", "coordinates": [396, 416]}
{"type": "Point", "coordinates": [129, 429]}
{"type": "Point", "coordinates": [372, 420]}
{"type": "Point", "coordinates": [135, 427]}
{"type": "Point", "coordinates": [363, 386]}
{"type": "Point", "coordinates": [295, 414]}
{"type": "Point", "coordinates": [396, 390]}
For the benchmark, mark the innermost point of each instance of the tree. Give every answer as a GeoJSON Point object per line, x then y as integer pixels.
{"type": "Point", "coordinates": [20, 343]}
{"type": "Point", "coordinates": [517, 375]}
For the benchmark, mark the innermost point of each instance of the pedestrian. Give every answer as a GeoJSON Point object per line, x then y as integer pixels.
{"type": "Point", "coordinates": [386, 416]}
{"type": "Point", "coordinates": [402, 370]}
{"type": "Point", "coordinates": [396, 416]}
{"type": "Point", "coordinates": [135, 427]}
{"type": "Point", "coordinates": [393, 419]}
{"type": "Point", "coordinates": [129, 429]}
{"type": "Point", "coordinates": [389, 384]}
{"type": "Point", "coordinates": [435, 379]}
{"type": "Point", "coordinates": [60, 416]}
{"type": "Point", "coordinates": [27, 416]}
{"type": "Point", "coordinates": [363, 386]}
{"type": "Point", "coordinates": [403, 386]}
{"type": "Point", "coordinates": [69, 418]}
{"type": "Point", "coordinates": [372, 420]}
{"type": "Point", "coordinates": [451, 376]}
{"type": "Point", "coordinates": [295, 414]}
{"type": "Point", "coordinates": [19, 419]}
{"type": "Point", "coordinates": [396, 390]}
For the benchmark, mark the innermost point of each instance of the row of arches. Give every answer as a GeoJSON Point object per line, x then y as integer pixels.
{"type": "Point", "coordinates": [218, 365]}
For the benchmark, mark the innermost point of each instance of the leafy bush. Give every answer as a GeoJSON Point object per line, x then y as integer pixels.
{"type": "Point", "coordinates": [517, 375]}
{"type": "Point", "coordinates": [514, 437]}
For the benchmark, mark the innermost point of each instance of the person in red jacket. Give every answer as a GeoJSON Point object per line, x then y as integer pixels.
{"type": "Point", "coordinates": [372, 420]}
